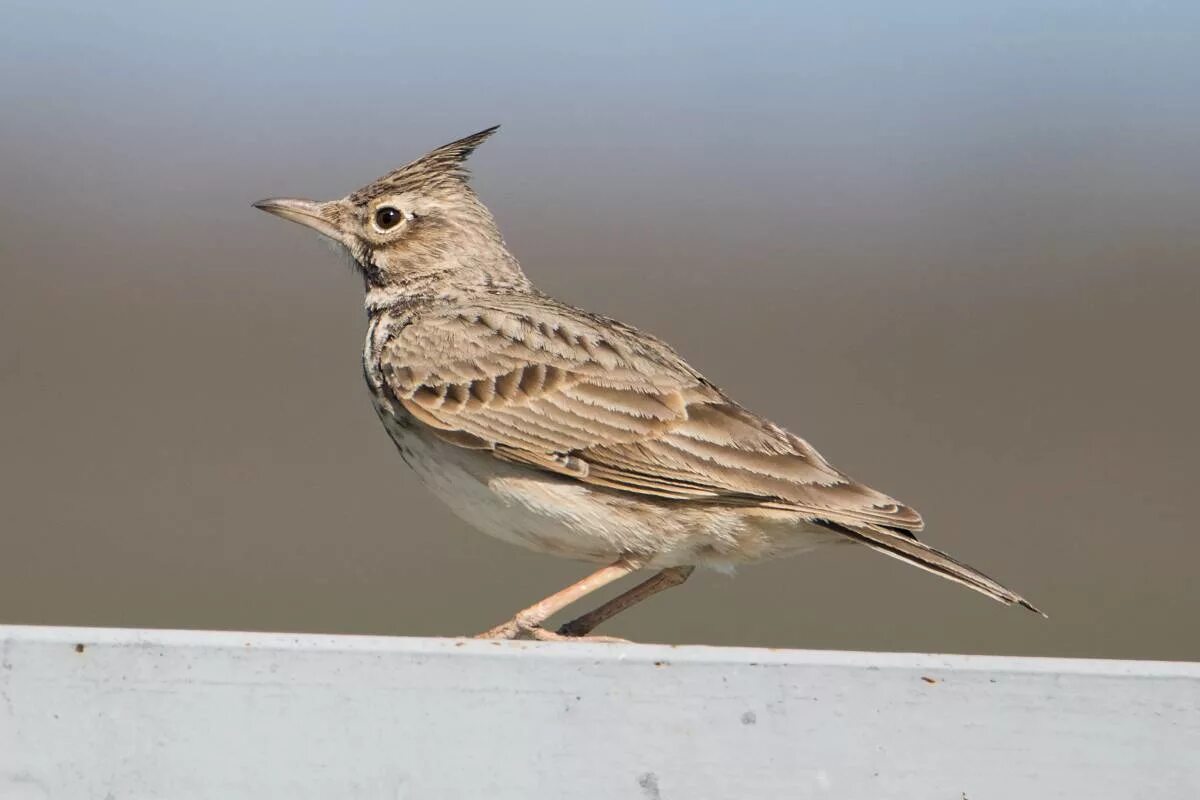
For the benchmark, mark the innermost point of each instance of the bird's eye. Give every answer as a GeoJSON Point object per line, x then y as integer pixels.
{"type": "Point", "coordinates": [387, 217]}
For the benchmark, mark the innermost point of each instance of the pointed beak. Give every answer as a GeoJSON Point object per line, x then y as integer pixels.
{"type": "Point", "coordinates": [306, 212]}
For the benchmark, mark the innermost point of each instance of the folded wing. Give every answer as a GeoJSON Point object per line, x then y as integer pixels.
{"type": "Point", "coordinates": [560, 390]}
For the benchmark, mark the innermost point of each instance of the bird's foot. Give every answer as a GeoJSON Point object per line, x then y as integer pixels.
{"type": "Point", "coordinates": [517, 628]}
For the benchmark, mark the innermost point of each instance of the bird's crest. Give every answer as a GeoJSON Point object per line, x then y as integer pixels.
{"type": "Point", "coordinates": [445, 165]}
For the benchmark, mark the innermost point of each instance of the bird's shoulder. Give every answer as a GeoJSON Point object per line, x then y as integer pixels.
{"type": "Point", "coordinates": [493, 335]}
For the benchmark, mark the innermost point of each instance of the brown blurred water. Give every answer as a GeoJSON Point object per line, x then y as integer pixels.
{"type": "Point", "coordinates": [958, 250]}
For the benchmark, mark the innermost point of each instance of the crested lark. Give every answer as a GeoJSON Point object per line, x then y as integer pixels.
{"type": "Point", "coordinates": [571, 433]}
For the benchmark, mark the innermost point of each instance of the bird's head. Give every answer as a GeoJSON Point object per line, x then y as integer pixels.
{"type": "Point", "coordinates": [419, 223]}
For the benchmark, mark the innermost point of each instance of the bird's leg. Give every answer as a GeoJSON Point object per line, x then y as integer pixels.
{"type": "Point", "coordinates": [527, 624]}
{"type": "Point", "coordinates": [671, 576]}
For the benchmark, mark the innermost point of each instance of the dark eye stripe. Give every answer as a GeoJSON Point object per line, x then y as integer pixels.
{"type": "Point", "coordinates": [387, 217]}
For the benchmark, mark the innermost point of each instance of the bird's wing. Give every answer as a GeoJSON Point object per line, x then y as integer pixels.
{"type": "Point", "coordinates": [560, 390]}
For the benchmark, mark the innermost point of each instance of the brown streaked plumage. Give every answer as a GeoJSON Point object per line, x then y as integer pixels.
{"type": "Point", "coordinates": [572, 433]}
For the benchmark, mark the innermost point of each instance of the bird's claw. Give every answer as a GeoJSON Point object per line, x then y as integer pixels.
{"type": "Point", "coordinates": [517, 629]}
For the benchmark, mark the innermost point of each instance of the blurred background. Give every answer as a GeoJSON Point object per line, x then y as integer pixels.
{"type": "Point", "coordinates": [973, 232]}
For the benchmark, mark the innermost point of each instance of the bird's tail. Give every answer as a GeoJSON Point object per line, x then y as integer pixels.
{"type": "Point", "coordinates": [904, 546]}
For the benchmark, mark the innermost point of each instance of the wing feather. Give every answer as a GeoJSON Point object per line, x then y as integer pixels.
{"type": "Point", "coordinates": [563, 391]}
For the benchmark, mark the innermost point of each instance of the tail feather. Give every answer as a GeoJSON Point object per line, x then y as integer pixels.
{"type": "Point", "coordinates": [904, 546]}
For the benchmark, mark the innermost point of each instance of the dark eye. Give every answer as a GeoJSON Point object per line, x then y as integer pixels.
{"type": "Point", "coordinates": [387, 217]}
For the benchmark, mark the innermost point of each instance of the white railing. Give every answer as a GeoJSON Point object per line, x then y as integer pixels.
{"type": "Point", "coordinates": [124, 714]}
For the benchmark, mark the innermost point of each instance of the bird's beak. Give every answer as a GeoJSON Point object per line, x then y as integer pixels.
{"type": "Point", "coordinates": [306, 212]}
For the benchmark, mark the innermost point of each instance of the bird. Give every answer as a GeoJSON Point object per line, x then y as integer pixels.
{"type": "Point", "coordinates": [568, 432]}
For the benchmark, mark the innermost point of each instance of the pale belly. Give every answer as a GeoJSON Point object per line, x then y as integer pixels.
{"type": "Point", "coordinates": [563, 517]}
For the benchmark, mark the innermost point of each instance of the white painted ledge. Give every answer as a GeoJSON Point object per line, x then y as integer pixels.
{"type": "Point", "coordinates": [126, 714]}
